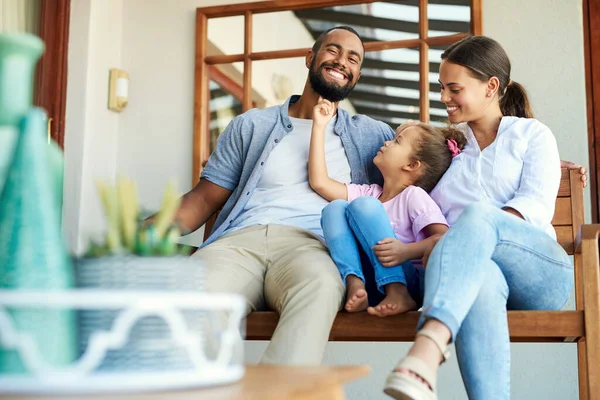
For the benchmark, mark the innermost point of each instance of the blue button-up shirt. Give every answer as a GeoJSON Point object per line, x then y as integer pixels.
{"type": "Point", "coordinates": [242, 149]}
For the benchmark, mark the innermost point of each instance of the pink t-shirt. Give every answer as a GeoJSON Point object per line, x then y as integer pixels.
{"type": "Point", "coordinates": [409, 212]}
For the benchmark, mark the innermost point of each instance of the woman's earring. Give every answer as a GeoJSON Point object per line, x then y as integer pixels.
{"type": "Point", "coordinates": [489, 94]}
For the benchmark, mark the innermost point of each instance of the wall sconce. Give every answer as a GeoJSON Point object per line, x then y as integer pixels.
{"type": "Point", "coordinates": [118, 89]}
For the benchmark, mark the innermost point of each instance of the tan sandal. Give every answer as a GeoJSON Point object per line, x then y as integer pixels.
{"type": "Point", "coordinates": [403, 386]}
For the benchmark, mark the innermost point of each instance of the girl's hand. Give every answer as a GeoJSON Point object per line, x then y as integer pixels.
{"type": "Point", "coordinates": [431, 244]}
{"type": "Point", "coordinates": [323, 112]}
{"type": "Point", "coordinates": [391, 252]}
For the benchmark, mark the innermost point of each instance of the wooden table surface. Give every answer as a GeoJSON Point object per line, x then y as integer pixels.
{"type": "Point", "coordinates": [261, 382]}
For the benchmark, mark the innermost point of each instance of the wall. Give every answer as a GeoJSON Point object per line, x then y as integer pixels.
{"type": "Point", "coordinates": [151, 140]}
{"type": "Point", "coordinates": [91, 131]}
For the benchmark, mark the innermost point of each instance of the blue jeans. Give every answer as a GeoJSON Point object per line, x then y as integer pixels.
{"type": "Point", "coordinates": [488, 262]}
{"type": "Point", "coordinates": [363, 222]}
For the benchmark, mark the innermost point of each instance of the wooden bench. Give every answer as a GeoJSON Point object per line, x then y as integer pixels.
{"type": "Point", "coordinates": [581, 326]}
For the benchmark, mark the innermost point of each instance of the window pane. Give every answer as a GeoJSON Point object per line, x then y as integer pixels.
{"type": "Point", "coordinates": [449, 17]}
{"type": "Point", "coordinates": [274, 81]}
{"type": "Point", "coordinates": [437, 109]}
{"type": "Point", "coordinates": [224, 105]}
{"type": "Point", "coordinates": [388, 89]}
{"type": "Point", "coordinates": [373, 21]}
{"type": "Point", "coordinates": [226, 34]}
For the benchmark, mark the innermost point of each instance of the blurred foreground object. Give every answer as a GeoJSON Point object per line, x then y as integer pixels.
{"type": "Point", "coordinates": [33, 255]}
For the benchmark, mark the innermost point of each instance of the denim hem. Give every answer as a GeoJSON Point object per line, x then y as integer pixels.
{"type": "Point", "coordinates": [345, 275]}
{"type": "Point", "coordinates": [390, 279]}
{"type": "Point", "coordinates": [441, 315]}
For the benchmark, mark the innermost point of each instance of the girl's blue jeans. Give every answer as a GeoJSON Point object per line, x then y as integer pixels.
{"type": "Point", "coordinates": [348, 226]}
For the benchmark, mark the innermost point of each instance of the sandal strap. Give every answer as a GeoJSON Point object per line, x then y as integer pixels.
{"type": "Point", "coordinates": [418, 367]}
{"type": "Point", "coordinates": [440, 345]}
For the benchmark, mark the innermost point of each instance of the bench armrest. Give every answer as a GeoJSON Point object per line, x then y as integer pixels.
{"type": "Point", "coordinates": [588, 232]}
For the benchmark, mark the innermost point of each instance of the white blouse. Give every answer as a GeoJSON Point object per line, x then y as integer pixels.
{"type": "Point", "coordinates": [520, 169]}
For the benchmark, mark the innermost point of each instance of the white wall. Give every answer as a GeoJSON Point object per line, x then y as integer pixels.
{"type": "Point", "coordinates": [151, 140]}
{"type": "Point", "coordinates": [91, 132]}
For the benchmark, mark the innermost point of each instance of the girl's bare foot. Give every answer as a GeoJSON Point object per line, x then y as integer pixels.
{"type": "Point", "coordinates": [397, 300]}
{"type": "Point", "coordinates": [356, 299]}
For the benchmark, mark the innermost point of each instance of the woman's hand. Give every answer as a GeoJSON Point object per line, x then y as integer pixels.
{"type": "Point", "coordinates": [392, 252]}
{"type": "Point", "coordinates": [323, 112]}
{"type": "Point", "coordinates": [572, 165]}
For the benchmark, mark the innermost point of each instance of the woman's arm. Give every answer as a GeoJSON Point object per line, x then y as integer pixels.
{"type": "Point", "coordinates": [318, 177]}
{"type": "Point", "coordinates": [582, 170]}
{"type": "Point", "coordinates": [392, 252]}
{"type": "Point", "coordinates": [535, 199]}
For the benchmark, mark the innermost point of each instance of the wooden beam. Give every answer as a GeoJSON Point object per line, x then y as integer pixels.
{"type": "Point", "coordinates": [201, 148]}
{"type": "Point", "coordinates": [247, 100]}
{"type": "Point", "coordinates": [375, 112]}
{"type": "Point", "coordinates": [399, 83]}
{"type": "Point", "coordinates": [370, 21]}
{"type": "Point", "coordinates": [423, 62]}
{"type": "Point", "coordinates": [476, 18]}
{"type": "Point", "coordinates": [445, 40]}
{"type": "Point", "coordinates": [591, 47]}
{"type": "Point", "coordinates": [260, 7]}
{"type": "Point", "coordinates": [356, 20]}
{"type": "Point", "coordinates": [370, 46]}
{"type": "Point", "coordinates": [379, 98]}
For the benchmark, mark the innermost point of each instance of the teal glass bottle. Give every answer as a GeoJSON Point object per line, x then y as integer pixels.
{"type": "Point", "coordinates": [33, 255]}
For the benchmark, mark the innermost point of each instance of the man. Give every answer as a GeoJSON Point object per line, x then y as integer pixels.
{"type": "Point", "coordinates": [266, 242]}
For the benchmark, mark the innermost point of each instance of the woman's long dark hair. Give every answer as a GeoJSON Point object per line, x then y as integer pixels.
{"type": "Point", "coordinates": [485, 58]}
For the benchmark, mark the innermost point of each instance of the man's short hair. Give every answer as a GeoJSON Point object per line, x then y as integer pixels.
{"type": "Point", "coordinates": [319, 41]}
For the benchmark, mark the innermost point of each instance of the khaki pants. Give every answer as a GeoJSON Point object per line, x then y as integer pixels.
{"type": "Point", "coordinates": [285, 269]}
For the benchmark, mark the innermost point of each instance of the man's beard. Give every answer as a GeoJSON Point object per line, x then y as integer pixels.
{"type": "Point", "coordinates": [327, 90]}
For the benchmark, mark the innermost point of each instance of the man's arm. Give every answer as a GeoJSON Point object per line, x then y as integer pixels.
{"type": "Point", "coordinates": [199, 204]}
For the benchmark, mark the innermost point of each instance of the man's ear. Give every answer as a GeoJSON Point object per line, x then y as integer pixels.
{"type": "Point", "coordinates": [309, 58]}
{"type": "Point", "coordinates": [413, 166]}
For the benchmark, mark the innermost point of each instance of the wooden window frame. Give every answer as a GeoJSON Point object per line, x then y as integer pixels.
{"type": "Point", "coordinates": [201, 146]}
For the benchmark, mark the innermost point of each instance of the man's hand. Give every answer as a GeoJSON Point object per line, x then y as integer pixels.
{"type": "Point", "coordinates": [323, 112]}
{"type": "Point", "coordinates": [572, 165]}
{"type": "Point", "coordinates": [391, 252]}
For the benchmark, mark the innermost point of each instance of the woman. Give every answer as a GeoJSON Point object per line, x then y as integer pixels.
{"type": "Point", "coordinates": [501, 251]}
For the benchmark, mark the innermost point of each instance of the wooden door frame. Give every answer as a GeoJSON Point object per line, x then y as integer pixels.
{"type": "Point", "coordinates": [51, 93]}
{"type": "Point", "coordinates": [591, 44]}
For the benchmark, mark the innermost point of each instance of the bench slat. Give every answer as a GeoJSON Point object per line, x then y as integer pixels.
{"type": "Point", "coordinates": [525, 326]}
{"type": "Point", "coordinates": [565, 184]}
{"type": "Point", "coordinates": [564, 236]}
{"type": "Point", "coordinates": [563, 212]}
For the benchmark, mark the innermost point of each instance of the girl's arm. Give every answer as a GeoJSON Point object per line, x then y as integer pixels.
{"type": "Point", "coordinates": [392, 252]}
{"type": "Point", "coordinates": [318, 177]}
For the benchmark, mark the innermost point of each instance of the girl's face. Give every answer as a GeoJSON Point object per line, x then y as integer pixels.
{"type": "Point", "coordinates": [466, 98]}
{"type": "Point", "coordinates": [396, 154]}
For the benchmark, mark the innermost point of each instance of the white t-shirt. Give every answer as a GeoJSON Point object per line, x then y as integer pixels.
{"type": "Point", "coordinates": [520, 169]}
{"type": "Point", "coordinates": [283, 194]}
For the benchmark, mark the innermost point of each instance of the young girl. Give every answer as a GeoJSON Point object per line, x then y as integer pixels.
{"type": "Point", "coordinates": [394, 223]}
